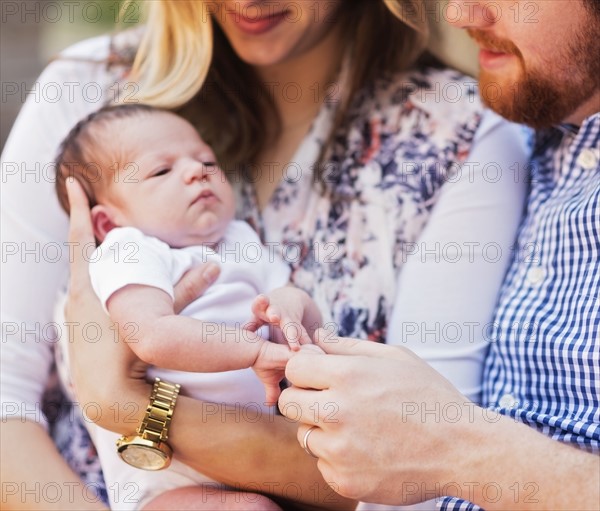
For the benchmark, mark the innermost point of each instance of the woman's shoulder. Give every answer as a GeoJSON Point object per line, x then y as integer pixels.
{"type": "Point", "coordinates": [106, 54]}
{"type": "Point", "coordinates": [443, 85]}
{"type": "Point", "coordinates": [93, 49]}
{"type": "Point", "coordinates": [77, 64]}
{"type": "Point", "coordinates": [88, 75]}
{"type": "Point", "coordinates": [426, 110]}
{"type": "Point", "coordinates": [436, 109]}
{"type": "Point", "coordinates": [439, 93]}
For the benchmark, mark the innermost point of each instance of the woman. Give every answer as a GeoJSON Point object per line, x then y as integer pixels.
{"type": "Point", "coordinates": [354, 159]}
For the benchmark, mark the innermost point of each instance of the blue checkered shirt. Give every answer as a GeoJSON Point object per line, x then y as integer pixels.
{"type": "Point", "coordinates": [543, 367]}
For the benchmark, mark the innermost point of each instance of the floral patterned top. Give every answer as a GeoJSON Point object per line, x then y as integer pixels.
{"type": "Point", "coordinates": [383, 179]}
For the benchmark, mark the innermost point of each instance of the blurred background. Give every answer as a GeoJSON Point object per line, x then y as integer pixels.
{"type": "Point", "coordinates": [32, 32]}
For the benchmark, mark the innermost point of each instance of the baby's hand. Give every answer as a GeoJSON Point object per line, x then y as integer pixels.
{"type": "Point", "coordinates": [270, 368]}
{"type": "Point", "coordinates": [285, 308]}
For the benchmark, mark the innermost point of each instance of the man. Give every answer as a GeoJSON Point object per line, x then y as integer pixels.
{"type": "Point", "coordinates": [385, 426]}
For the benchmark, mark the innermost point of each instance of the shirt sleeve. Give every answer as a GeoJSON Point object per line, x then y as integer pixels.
{"type": "Point", "coordinates": [448, 286]}
{"type": "Point", "coordinates": [127, 256]}
{"type": "Point", "coordinates": [35, 252]}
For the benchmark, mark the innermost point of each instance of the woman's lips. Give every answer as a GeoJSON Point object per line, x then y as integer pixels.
{"type": "Point", "coordinates": [257, 26]}
{"type": "Point", "coordinates": [490, 59]}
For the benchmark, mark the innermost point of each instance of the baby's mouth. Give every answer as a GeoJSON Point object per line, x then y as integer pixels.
{"type": "Point", "coordinates": [205, 196]}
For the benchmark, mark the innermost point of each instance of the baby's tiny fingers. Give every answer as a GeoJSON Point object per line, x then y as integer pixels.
{"type": "Point", "coordinates": [254, 324]}
{"type": "Point", "coordinates": [305, 337]}
{"type": "Point", "coordinates": [293, 332]}
{"type": "Point", "coordinates": [262, 301]}
{"type": "Point", "coordinates": [259, 306]}
{"type": "Point", "coordinates": [272, 394]}
{"type": "Point", "coordinates": [302, 335]}
{"type": "Point", "coordinates": [273, 314]}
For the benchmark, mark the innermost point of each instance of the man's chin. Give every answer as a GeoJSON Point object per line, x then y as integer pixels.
{"type": "Point", "coordinates": [499, 95]}
{"type": "Point", "coordinates": [521, 101]}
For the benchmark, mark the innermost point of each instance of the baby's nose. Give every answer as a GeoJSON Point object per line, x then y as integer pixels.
{"type": "Point", "coordinates": [195, 171]}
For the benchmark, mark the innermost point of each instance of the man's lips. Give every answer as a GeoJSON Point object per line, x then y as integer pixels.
{"type": "Point", "coordinates": [493, 51]}
{"type": "Point", "coordinates": [489, 59]}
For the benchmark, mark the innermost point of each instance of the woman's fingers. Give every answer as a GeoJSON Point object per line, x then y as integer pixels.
{"type": "Point", "coordinates": [81, 235]}
{"type": "Point", "coordinates": [194, 283]}
{"type": "Point", "coordinates": [92, 341]}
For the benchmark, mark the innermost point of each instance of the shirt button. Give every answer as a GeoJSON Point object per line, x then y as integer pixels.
{"type": "Point", "coordinates": [507, 401]}
{"type": "Point", "coordinates": [535, 275]}
{"type": "Point", "coordinates": [588, 159]}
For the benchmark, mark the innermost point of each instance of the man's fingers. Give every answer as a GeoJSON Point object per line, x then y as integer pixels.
{"type": "Point", "coordinates": [194, 283]}
{"type": "Point", "coordinates": [307, 438]}
{"type": "Point", "coordinates": [311, 348]}
{"type": "Point", "coordinates": [335, 345]}
{"type": "Point", "coordinates": [301, 405]}
{"type": "Point", "coordinates": [344, 358]}
{"type": "Point", "coordinates": [308, 370]}
{"type": "Point", "coordinates": [81, 232]}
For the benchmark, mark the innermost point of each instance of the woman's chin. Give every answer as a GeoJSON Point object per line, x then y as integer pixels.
{"type": "Point", "coordinates": [257, 54]}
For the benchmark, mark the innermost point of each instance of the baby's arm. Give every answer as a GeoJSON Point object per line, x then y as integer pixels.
{"type": "Point", "coordinates": [146, 319]}
{"type": "Point", "coordinates": [290, 309]}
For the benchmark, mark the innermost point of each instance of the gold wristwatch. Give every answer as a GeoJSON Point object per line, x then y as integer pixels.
{"type": "Point", "coordinates": [148, 449]}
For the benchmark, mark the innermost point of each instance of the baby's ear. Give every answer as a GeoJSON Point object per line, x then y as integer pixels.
{"type": "Point", "coordinates": [102, 220]}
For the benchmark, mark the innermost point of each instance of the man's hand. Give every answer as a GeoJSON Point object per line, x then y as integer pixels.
{"type": "Point", "coordinates": [367, 402]}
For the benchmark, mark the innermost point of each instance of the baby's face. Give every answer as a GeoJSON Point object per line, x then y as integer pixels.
{"type": "Point", "coordinates": [170, 186]}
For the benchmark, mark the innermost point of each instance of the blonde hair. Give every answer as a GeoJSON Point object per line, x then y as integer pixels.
{"type": "Point", "coordinates": [175, 53]}
{"type": "Point", "coordinates": [186, 64]}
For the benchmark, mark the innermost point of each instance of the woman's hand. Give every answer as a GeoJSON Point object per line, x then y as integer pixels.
{"type": "Point", "coordinates": [104, 368]}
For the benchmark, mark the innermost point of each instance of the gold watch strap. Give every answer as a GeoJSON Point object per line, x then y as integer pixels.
{"type": "Point", "coordinates": [157, 419]}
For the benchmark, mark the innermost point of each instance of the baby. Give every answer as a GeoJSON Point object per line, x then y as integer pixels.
{"type": "Point", "coordinates": [160, 206]}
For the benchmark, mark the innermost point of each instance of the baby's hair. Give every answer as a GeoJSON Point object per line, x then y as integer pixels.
{"type": "Point", "coordinates": [76, 153]}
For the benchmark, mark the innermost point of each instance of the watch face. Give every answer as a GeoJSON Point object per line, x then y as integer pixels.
{"type": "Point", "coordinates": [144, 457]}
